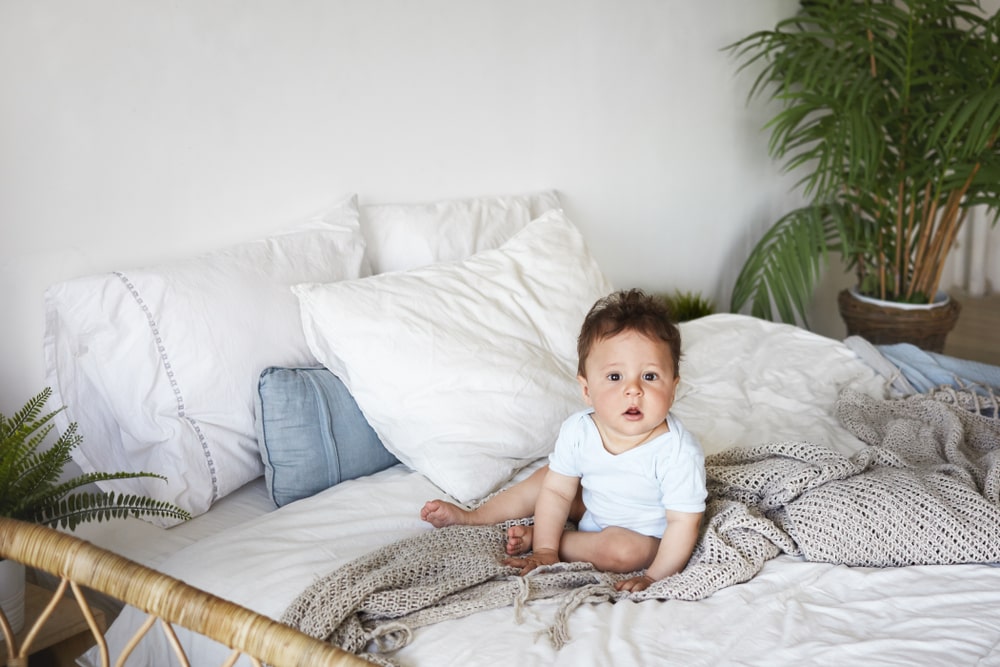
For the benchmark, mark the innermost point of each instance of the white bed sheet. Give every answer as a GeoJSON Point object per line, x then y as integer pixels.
{"type": "Point", "coordinates": [782, 386]}
{"type": "Point", "coordinates": [150, 545]}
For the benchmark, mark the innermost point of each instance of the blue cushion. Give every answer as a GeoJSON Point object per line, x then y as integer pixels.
{"type": "Point", "coordinates": [312, 434]}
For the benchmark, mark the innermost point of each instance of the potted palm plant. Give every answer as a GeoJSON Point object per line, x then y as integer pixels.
{"type": "Point", "coordinates": [31, 489]}
{"type": "Point", "coordinates": [890, 110]}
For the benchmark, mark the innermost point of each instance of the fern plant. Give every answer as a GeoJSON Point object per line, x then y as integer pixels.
{"type": "Point", "coordinates": [890, 110]}
{"type": "Point", "coordinates": [30, 485]}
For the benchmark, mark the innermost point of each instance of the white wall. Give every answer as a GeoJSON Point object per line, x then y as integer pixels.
{"type": "Point", "coordinates": [133, 131]}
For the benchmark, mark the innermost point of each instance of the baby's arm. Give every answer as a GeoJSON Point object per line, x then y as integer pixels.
{"type": "Point", "coordinates": [551, 511]}
{"type": "Point", "coordinates": [673, 553]}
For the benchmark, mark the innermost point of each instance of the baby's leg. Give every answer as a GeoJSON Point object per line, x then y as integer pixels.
{"type": "Point", "coordinates": [517, 502]}
{"type": "Point", "coordinates": [519, 538]}
{"type": "Point", "coordinates": [441, 513]}
{"type": "Point", "coordinates": [613, 549]}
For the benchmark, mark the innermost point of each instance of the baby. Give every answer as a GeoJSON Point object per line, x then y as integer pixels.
{"type": "Point", "coordinates": [625, 469]}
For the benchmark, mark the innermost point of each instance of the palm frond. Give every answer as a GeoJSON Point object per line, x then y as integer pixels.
{"type": "Point", "coordinates": [784, 266]}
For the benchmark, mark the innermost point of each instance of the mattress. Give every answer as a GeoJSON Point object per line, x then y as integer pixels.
{"type": "Point", "coordinates": [744, 382]}
{"type": "Point", "coordinates": [792, 612]}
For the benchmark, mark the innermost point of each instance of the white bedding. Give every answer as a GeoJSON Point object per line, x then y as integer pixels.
{"type": "Point", "coordinates": [150, 545]}
{"type": "Point", "coordinates": [743, 382]}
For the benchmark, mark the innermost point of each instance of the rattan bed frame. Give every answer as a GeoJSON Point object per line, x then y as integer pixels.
{"type": "Point", "coordinates": [78, 565]}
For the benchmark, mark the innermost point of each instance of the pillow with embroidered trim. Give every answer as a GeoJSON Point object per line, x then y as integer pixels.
{"type": "Point", "coordinates": [158, 366]}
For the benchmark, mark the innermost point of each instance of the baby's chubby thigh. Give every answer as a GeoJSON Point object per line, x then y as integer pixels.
{"type": "Point", "coordinates": [611, 549]}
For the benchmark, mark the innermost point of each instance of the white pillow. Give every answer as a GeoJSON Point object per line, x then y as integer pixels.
{"type": "Point", "coordinates": [776, 381]}
{"type": "Point", "coordinates": [400, 237]}
{"type": "Point", "coordinates": [465, 369]}
{"type": "Point", "coordinates": [158, 366]}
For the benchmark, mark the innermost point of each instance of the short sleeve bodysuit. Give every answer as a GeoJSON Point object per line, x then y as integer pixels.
{"type": "Point", "coordinates": [635, 488]}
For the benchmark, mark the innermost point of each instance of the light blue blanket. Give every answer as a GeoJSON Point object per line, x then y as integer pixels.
{"type": "Point", "coordinates": [927, 370]}
{"type": "Point", "coordinates": [912, 370]}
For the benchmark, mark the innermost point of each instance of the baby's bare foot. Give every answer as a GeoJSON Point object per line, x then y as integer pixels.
{"type": "Point", "coordinates": [519, 539]}
{"type": "Point", "coordinates": [441, 513]}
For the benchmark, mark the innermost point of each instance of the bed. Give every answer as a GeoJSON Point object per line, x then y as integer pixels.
{"type": "Point", "coordinates": [305, 394]}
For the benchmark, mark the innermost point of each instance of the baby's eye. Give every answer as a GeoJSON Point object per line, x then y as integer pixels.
{"type": "Point", "coordinates": [650, 377]}
{"type": "Point", "coordinates": [614, 377]}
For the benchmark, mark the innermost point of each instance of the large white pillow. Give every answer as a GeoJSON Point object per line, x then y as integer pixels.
{"type": "Point", "coordinates": [776, 382]}
{"type": "Point", "coordinates": [158, 366]}
{"type": "Point", "coordinates": [466, 369]}
{"type": "Point", "coordinates": [400, 237]}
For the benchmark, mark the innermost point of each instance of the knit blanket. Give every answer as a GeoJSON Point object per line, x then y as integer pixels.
{"type": "Point", "coordinates": [926, 490]}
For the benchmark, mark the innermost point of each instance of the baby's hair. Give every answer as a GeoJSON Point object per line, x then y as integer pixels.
{"type": "Point", "coordinates": [628, 310]}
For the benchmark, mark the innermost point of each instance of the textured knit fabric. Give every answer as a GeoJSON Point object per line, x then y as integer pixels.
{"type": "Point", "coordinates": [926, 490]}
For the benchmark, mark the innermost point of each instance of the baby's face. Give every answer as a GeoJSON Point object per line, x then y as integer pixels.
{"type": "Point", "coordinates": [630, 383]}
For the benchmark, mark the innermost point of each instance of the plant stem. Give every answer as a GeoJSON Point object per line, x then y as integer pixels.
{"type": "Point", "coordinates": [930, 213]}
{"type": "Point", "coordinates": [900, 205]}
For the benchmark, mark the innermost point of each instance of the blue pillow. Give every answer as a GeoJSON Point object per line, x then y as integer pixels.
{"type": "Point", "coordinates": [312, 434]}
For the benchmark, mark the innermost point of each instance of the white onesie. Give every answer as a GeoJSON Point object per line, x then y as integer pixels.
{"type": "Point", "coordinates": [635, 488]}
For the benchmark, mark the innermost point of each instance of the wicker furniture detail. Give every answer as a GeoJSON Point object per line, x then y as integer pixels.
{"type": "Point", "coordinates": [79, 564]}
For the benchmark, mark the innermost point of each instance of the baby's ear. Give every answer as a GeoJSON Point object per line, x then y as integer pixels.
{"type": "Point", "coordinates": [584, 388]}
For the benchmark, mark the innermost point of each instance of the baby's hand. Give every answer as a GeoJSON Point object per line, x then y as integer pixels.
{"type": "Point", "coordinates": [635, 584]}
{"type": "Point", "coordinates": [533, 560]}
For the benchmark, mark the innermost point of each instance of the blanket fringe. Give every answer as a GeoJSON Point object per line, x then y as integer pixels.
{"type": "Point", "coordinates": [558, 632]}
{"type": "Point", "coordinates": [521, 597]}
{"type": "Point", "coordinates": [978, 398]}
{"type": "Point", "coordinates": [390, 637]}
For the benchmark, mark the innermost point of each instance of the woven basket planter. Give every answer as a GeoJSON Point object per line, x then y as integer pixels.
{"type": "Point", "coordinates": [926, 328]}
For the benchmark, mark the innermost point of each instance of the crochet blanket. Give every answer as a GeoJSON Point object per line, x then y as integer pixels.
{"type": "Point", "coordinates": [926, 490]}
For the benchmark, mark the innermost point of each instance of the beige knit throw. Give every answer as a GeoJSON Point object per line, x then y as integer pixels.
{"type": "Point", "coordinates": [925, 491]}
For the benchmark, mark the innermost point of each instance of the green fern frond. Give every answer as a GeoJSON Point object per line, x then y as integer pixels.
{"type": "Point", "coordinates": [50, 493]}
{"type": "Point", "coordinates": [30, 484]}
{"type": "Point", "coordinates": [20, 437]}
{"type": "Point", "coordinates": [82, 507]}
{"type": "Point", "coordinates": [25, 416]}
{"type": "Point", "coordinates": [42, 469]}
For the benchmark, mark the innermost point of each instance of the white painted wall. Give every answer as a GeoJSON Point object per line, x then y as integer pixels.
{"type": "Point", "coordinates": [135, 131]}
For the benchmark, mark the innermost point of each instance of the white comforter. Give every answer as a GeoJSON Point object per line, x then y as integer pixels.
{"type": "Point", "coordinates": [743, 382]}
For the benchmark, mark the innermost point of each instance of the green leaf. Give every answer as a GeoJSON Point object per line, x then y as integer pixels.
{"type": "Point", "coordinates": [784, 266]}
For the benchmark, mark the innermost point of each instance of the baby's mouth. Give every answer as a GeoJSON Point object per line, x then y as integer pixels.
{"type": "Point", "coordinates": [633, 412]}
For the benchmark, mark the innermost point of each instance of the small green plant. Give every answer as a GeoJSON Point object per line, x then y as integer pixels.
{"type": "Point", "coordinates": [686, 306]}
{"type": "Point", "coordinates": [30, 486]}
